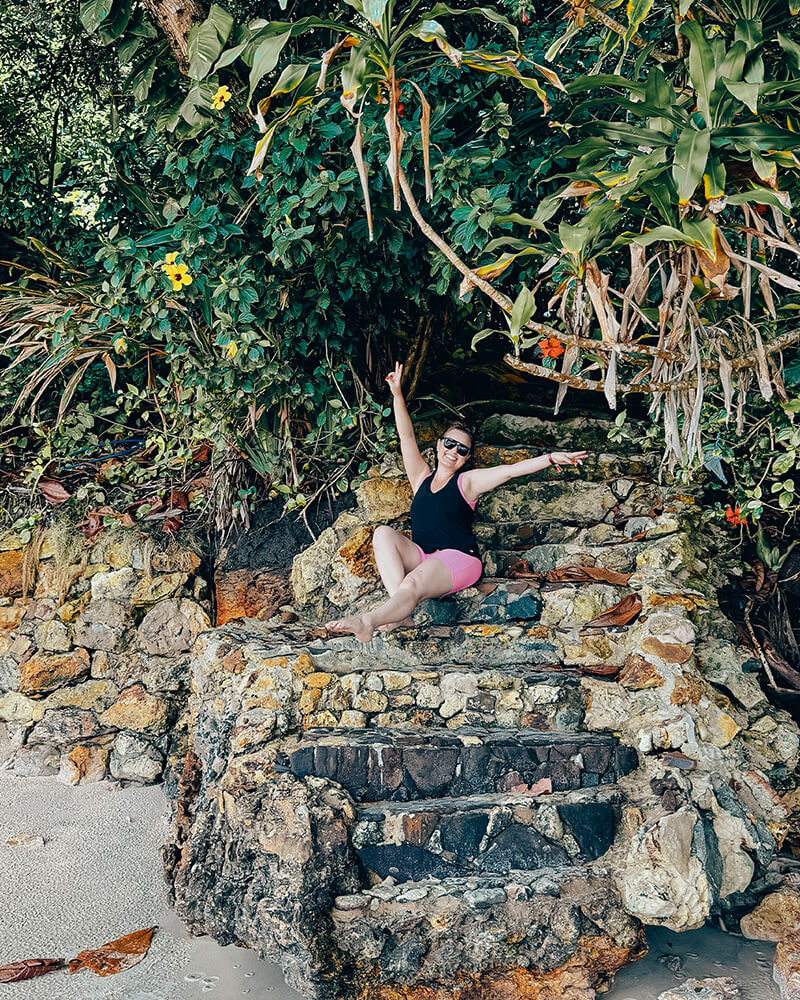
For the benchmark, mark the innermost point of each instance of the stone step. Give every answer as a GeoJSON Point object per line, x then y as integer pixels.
{"type": "Point", "coordinates": [549, 434]}
{"type": "Point", "coordinates": [497, 935]}
{"type": "Point", "coordinates": [491, 833]}
{"type": "Point", "coordinates": [379, 764]}
{"type": "Point", "coordinates": [622, 558]}
{"type": "Point", "coordinates": [570, 501]}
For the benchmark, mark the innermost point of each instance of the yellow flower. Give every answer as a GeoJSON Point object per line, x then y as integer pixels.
{"type": "Point", "coordinates": [171, 257]}
{"type": "Point", "coordinates": [230, 350]}
{"type": "Point", "coordinates": [220, 99]}
{"type": "Point", "coordinates": [179, 273]}
{"type": "Point", "coordinates": [120, 346]}
{"type": "Point", "coordinates": [169, 266]}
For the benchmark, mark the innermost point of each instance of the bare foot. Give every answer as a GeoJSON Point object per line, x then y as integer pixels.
{"type": "Point", "coordinates": [405, 623]}
{"type": "Point", "coordinates": [355, 625]}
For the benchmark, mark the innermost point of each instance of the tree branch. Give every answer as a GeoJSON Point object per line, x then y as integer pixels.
{"type": "Point", "coordinates": [175, 18]}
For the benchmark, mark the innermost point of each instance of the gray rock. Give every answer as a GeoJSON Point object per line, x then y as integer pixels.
{"type": "Point", "coordinates": [134, 759]}
{"type": "Point", "coordinates": [36, 761]}
{"type": "Point", "coordinates": [723, 988]}
{"type": "Point", "coordinates": [170, 628]}
{"type": "Point", "coordinates": [482, 899]}
{"type": "Point", "coordinates": [115, 586]}
{"type": "Point", "coordinates": [101, 626]}
{"type": "Point", "coordinates": [65, 725]}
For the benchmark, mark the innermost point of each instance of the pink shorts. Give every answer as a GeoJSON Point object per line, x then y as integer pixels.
{"type": "Point", "coordinates": [465, 570]}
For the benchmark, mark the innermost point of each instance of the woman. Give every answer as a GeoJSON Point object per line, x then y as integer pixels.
{"type": "Point", "coordinates": [441, 556]}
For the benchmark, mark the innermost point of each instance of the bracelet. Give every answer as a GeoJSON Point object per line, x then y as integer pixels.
{"type": "Point", "coordinates": [550, 458]}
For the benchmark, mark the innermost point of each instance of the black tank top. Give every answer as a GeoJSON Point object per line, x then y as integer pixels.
{"type": "Point", "coordinates": [442, 520]}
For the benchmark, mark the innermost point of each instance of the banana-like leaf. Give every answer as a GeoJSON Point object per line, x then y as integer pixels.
{"type": "Point", "coordinates": [266, 59]}
{"type": "Point", "coordinates": [758, 196]}
{"type": "Point", "coordinates": [747, 93]}
{"type": "Point", "coordinates": [94, 12]}
{"type": "Point", "coordinates": [702, 70]}
{"type": "Point", "coordinates": [789, 46]}
{"type": "Point", "coordinates": [691, 156]}
{"type": "Point", "coordinates": [522, 310]}
{"type": "Point", "coordinates": [117, 21]}
{"type": "Point", "coordinates": [372, 10]}
{"type": "Point", "coordinates": [763, 167]}
{"type": "Point", "coordinates": [357, 151]}
{"type": "Point", "coordinates": [487, 12]}
{"type": "Point", "coordinates": [714, 179]}
{"type": "Point", "coordinates": [425, 136]}
{"type": "Point", "coordinates": [433, 31]}
{"type": "Point", "coordinates": [637, 11]}
{"type": "Point", "coordinates": [205, 42]}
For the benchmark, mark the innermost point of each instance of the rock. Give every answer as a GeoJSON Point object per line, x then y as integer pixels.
{"type": "Point", "coordinates": [95, 695]}
{"type": "Point", "coordinates": [171, 627]}
{"type": "Point", "coordinates": [661, 881]}
{"type": "Point", "coordinates": [101, 625]}
{"type": "Point", "coordinates": [136, 709]}
{"type": "Point", "coordinates": [46, 671]}
{"type": "Point", "coordinates": [353, 568]}
{"type": "Point", "coordinates": [482, 899]}
{"type": "Point", "coordinates": [152, 589]}
{"type": "Point", "coordinates": [16, 707]}
{"type": "Point", "coordinates": [11, 615]}
{"type": "Point", "coordinates": [638, 674]}
{"type": "Point", "coordinates": [176, 558]}
{"type": "Point", "coordinates": [723, 988]}
{"type": "Point", "coordinates": [84, 764]}
{"type": "Point", "coordinates": [11, 575]}
{"type": "Point", "coordinates": [776, 918]}
{"type": "Point", "coordinates": [786, 968]}
{"type": "Point", "coordinates": [311, 568]}
{"type": "Point", "coordinates": [36, 761]}
{"type": "Point", "coordinates": [245, 593]}
{"type": "Point", "coordinates": [64, 725]}
{"type": "Point", "coordinates": [134, 759]}
{"type": "Point", "coordinates": [25, 840]}
{"type": "Point", "coordinates": [53, 636]}
{"type": "Point", "coordinates": [382, 500]}
{"type": "Point", "coordinates": [118, 585]}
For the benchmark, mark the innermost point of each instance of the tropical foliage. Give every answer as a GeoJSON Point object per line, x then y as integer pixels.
{"type": "Point", "coordinates": [207, 302]}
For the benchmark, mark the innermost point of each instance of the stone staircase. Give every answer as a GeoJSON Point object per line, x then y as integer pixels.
{"type": "Point", "coordinates": [492, 802]}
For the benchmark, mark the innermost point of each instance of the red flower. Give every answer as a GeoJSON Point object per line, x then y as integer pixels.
{"type": "Point", "coordinates": [525, 18]}
{"type": "Point", "coordinates": [734, 516]}
{"type": "Point", "coordinates": [551, 347]}
{"type": "Point", "coordinates": [401, 110]}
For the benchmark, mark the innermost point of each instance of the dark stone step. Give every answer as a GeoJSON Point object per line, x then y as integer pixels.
{"type": "Point", "coordinates": [375, 765]}
{"type": "Point", "coordinates": [440, 838]}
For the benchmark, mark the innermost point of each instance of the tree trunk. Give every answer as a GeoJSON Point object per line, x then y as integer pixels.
{"type": "Point", "coordinates": [175, 18]}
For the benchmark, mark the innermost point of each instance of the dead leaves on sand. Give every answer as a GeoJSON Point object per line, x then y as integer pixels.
{"type": "Point", "coordinates": [107, 960]}
{"type": "Point", "coordinates": [30, 968]}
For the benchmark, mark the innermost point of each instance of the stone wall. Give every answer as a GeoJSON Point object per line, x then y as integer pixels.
{"type": "Point", "coordinates": [94, 651]}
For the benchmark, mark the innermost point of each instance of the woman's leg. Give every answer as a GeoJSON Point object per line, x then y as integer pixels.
{"type": "Point", "coordinates": [395, 556]}
{"type": "Point", "coordinates": [430, 579]}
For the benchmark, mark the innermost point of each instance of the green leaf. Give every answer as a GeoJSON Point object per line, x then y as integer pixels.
{"type": "Point", "coordinates": [140, 81]}
{"type": "Point", "coordinates": [266, 59]}
{"type": "Point", "coordinates": [205, 42]}
{"type": "Point", "coordinates": [702, 71]}
{"type": "Point", "coordinates": [689, 164]}
{"type": "Point", "coordinates": [229, 56]}
{"type": "Point", "coordinates": [94, 12]}
{"type": "Point", "coordinates": [747, 93]}
{"type": "Point", "coordinates": [482, 335]}
{"type": "Point", "coordinates": [789, 46]}
{"type": "Point", "coordinates": [522, 310]}
{"type": "Point", "coordinates": [637, 11]}
{"type": "Point", "coordinates": [372, 10]}
{"type": "Point", "coordinates": [117, 21]}
{"type": "Point", "coordinates": [714, 178]}
{"type": "Point", "coordinates": [290, 79]}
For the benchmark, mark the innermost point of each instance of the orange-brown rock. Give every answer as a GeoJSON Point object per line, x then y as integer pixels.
{"type": "Point", "coordinates": [45, 672]}
{"type": "Point", "coordinates": [356, 554]}
{"type": "Point", "coordinates": [11, 566]}
{"type": "Point", "coordinates": [136, 709]}
{"type": "Point", "coordinates": [12, 614]}
{"type": "Point", "coordinates": [786, 968]}
{"type": "Point", "coordinates": [384, 499]}
{"type": "Point", "coordinates": [776, 917]}
{"type": "Point", "coordinates": [639, 674]}
{"type": "Point", "coordinates": [590, 968]}
{"type": "Point", "coordinates": [669, 652]}
{"type": "Point", "coordinates": [687, 690]}
{"type": "Point", "coordinates": [247, 593]}
{"type": "Point", "coordinates": [418, 827]}
{"type": "Point", "coordinates": [84, 763]}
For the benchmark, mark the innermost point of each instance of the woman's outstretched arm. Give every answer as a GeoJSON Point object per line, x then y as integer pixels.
{"type": "Point", "coordinates": [415, 465]}
{"type": "Point", "coordinates": [476, 482]}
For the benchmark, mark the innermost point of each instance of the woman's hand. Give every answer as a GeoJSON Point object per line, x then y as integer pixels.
{"type": "Point", "coordinates": [393, 380]}
{"type": "Point", "coordinates": [559, 458]}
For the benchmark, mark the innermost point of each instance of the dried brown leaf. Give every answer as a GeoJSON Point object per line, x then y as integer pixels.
{"type": "Point", "coordinates": [115, 956]}
{"type": "Point", "coordinates": [587, 574]}
{"type": "Point", "coordinates": [54, 492]}
{"type": "Point", "coordinates": [621, 613]}
{"type": "Point", "coordinates": [29, 968]}
{"type": "Point", "coordinates": [357, 152]}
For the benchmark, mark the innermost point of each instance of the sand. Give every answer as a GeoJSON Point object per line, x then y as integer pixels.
{"type": "Point", "coordinates": [97, 875]}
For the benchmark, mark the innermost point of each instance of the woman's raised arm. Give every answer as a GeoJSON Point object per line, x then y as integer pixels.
{"type": "Point", "coordinates": [476, 482]}
{"type": "Point", "coordinates": [415, 465]}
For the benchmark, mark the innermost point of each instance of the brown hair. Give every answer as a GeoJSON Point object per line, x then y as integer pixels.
{"type": "Point", "coordinates": [458, 426]}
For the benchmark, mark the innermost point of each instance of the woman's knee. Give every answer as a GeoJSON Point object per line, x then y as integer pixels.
{"type": "Point", "coordinates": [383, 537]}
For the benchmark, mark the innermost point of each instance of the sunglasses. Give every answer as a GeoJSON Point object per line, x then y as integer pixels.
{"type": "Point", "coordinates": [450, 443]}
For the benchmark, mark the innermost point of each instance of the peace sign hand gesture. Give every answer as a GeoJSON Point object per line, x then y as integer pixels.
{"type": "Point", "coordinates": [393, 380]}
